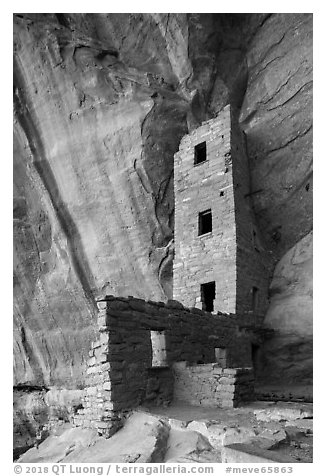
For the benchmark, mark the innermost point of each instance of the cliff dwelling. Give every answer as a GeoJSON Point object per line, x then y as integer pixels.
{"type": "Point", "coordinates": [163, 246]}
{"type": "Point", "coordinates": [147, 351]}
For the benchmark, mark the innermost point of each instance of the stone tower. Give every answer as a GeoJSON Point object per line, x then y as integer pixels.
{"type": "Point", "coordinates": [220, 263]}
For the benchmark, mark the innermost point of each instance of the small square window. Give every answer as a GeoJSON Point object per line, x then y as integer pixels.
{"type": "Point", "coordinates": [200, 153]}
{"type": "Point", "coordinates": [205, 222]}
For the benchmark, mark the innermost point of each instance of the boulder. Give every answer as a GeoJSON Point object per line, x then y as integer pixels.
{"type": "Point", "coordinates": [284, 412]}
{"type": "Point", "coordinates": [186, 444]}
{"type": "Point", "coordinates": [143, 439]}
{"type": "Point", "coordinates": [270, 439]}
{"type": "Point", "coordinates": [249, 453]}
{"type": "Point", "coordinates": [220, 435]}
{"type": "Point", "coordinates": [58, 446]}
{"type": "Point", "coordinates": [302, 425]}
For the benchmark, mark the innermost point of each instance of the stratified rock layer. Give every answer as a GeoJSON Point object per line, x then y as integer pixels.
{"type": "Point", "coordinates": [276, 116]}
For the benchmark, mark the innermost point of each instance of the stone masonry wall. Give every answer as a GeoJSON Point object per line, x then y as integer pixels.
{"type": "Point", "coordinates": [209, 185]}
{"type": "Point", "coordinates": [232, 254]}
{"type": "Point", "coordinates": [210, 385]}
{"type": "Point", "coordinates": [120, 371]}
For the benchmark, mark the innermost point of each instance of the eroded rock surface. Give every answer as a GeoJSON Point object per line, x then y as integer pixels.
{"type": "Point", "coordinates": [101, 102]}
{"type": "Point", "coordinates": [287, 356]}
{"type": "Point", "coordinates": [276, 117]}
{"type": "Point", "coordinates": [143, 439]}
{"type": "Point", "coordinates": [36, 411]}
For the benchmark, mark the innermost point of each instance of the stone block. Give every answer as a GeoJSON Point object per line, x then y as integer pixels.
{"type": "Point", "coordinates": [91, 370]}
{"type": "Point", "coordinates": [228, 371]}
{"type": "Point", "coordinates": [96, 344]}
{"type": "Point", "coordinates": [102, 358]}
{"type": "Point", "coordinates": [226, 403]}
{"type": "Point", "coordinates": [249, 453]}
{"type": "Point", "coordinates": [306, 425]}
{"type": "Point", "coordinates": [91, 362]}
{"type": "Point", "coordinates": [106, 366]}
{"type": "Point", "coordinates": [283, 412]}
{"type": "Point", "coordinates": [91, 390]}
{"type": "Point", "coordinates": [104, 424]}
{"type": "Point", "coordinates": [102, 321]}
{"type": "Point", "coordinates": [217, 370]}
{"type": "Point", "coordinates": [104, 394]}
{"type": "Point", "coordinates": [101, 305]}
{"type": "Point", "coordinates": [107, 386]}
{"type": "Point", "coordinates": [227, 381]}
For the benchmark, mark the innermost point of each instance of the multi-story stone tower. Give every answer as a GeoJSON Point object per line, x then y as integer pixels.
{"type": "Point", "coordinates": [220, 263]}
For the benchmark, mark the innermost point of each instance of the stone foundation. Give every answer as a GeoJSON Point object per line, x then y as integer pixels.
{"type": "Point", "coordinates": [210, 385]}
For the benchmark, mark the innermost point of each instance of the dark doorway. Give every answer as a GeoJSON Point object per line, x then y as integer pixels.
{"type": "Point", "coordinates": [205, 222]}
{"type": "Point", "coordinates": [207, 296]}
{"type": "Point", "coordinates": [200, 153]}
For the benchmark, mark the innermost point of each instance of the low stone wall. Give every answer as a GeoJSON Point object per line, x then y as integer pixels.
{"type": "Point", "coordinates": [210, 385]}
{"type": "Point", "coordinates": [98, 408]}
{"type": "Point", "coordinates": [124, 370]}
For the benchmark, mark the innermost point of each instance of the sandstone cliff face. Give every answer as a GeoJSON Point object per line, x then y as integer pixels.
{"type": "Point", "coordinates": [91, 209]}
{"type": "Point", "coordinates": [288, 356]}
{"type": "Point", "coordinates": [101, 103]}
{"type": "Point", "coordinates": [276, 116]}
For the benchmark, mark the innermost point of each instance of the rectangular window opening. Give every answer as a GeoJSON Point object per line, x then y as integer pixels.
{"type": "Point", "coordinates": [159, 358]}
{"type": "Point", "coordinates": [205, 222]}
{"type": "Point", "coordinates": [220, 356]}
{"type": "Point", "coordinates": [200, 153]}
{"type": "Point", "coordinates": [207, 291]}
{"type": "Point", "coordinates": [255, 292]}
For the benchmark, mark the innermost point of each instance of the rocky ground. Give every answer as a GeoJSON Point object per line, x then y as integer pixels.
{"type": "Point", "coordinates": [274, 431]}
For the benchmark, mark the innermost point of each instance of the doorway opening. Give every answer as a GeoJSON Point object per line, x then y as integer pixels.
{"type": "Point", "coordinates": [207, 291]}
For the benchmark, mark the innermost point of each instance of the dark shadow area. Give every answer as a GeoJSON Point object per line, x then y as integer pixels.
{"type": "Point", "coordinates": [207, 291]}
{"type": "Point", "coordinates": [200, 153]}
{"type": "Point", "coordinates": [205, 222]}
